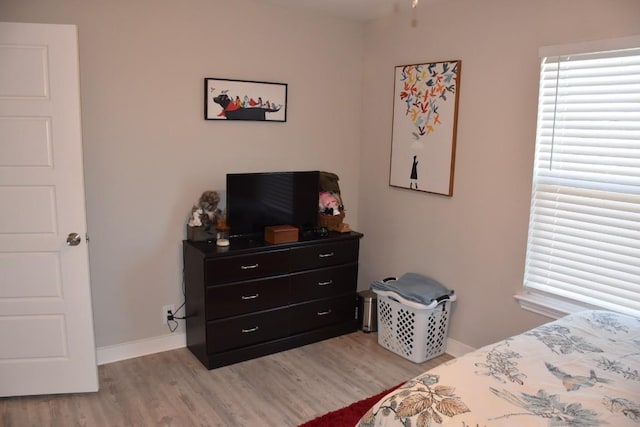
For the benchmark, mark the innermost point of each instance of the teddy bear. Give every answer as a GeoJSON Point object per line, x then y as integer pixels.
{"type": "Point", "coordinates": [205, 213]}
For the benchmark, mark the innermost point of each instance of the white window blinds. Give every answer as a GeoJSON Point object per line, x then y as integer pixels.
{"type": "Point", "coordinates": [584, 229]}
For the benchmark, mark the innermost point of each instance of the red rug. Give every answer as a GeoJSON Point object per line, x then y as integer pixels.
{"type": "Point", "coordinates": [349, 415]}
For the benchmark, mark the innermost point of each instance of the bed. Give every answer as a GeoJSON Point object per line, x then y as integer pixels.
{"type": "Point", "coordinates": [581, 370]}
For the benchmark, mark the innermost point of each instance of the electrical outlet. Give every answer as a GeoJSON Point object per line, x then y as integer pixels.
{"type": "Point", "coordinates": [165, 312]}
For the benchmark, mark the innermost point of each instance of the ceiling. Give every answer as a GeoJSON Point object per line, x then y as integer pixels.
{"type": "Point", "coordinates": [360, 10]}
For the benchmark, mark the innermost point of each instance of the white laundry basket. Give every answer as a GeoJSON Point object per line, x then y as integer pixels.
{"type": "Point", "coordinates": [414, 331]}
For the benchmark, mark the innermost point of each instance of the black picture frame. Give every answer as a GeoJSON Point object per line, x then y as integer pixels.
{"type": "Point", "coordinates": [228, 99]}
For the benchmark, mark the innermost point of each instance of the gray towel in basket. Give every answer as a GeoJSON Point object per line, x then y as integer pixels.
{"type": "Point", "coordinates": [414, 287]}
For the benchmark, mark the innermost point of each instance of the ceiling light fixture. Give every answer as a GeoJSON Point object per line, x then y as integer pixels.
{"type": "Point", "coordinates": [414, 3]}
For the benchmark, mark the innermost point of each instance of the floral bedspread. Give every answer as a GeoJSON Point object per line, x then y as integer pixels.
{"type": "Point", "coordinates": [582, 370]}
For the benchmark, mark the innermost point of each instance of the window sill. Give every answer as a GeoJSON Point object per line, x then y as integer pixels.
{"type": "Point", "coordinates": [552, 307]}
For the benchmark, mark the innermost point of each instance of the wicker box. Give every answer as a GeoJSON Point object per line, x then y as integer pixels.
{"type": "Point", "coordinates": [201, 234]}
{"type": "Point", "coordinates": [332, 222]}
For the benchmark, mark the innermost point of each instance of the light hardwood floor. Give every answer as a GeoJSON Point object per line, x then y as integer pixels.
{"type": "Point", "coordinates": [173, 389]}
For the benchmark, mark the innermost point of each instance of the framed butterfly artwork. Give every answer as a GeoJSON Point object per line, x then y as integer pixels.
{"type": "Point", "coordinates": [425, 121]}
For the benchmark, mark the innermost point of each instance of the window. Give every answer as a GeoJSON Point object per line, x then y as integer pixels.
{"type": "Point", "coordinates": [584, 229]}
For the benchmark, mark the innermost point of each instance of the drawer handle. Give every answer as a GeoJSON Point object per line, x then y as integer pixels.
{"type": "Point", "coordinates": [246, 331]}
{"type": "Point", "coordinates": [249, 267]}
{"type": "Point", "coordinates": [328, 282]}
{"type": "Point", "coordinates": [245, 297]}
{"type": "Point", "coordinates": [328, 255]}
{"type": "Point", "coordinates": [324, 313]}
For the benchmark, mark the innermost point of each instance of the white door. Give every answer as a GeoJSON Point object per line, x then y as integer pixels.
{"type": "Point", "coordinates": [46, 325]}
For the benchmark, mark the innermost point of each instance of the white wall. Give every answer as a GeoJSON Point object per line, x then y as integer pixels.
{"type": "Point", "coordinates": [149, 153]}
{"type": "Point", "coordinates": [475, 241]}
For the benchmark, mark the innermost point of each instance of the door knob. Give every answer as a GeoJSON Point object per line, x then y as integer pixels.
{"type": "Point", "coordinates": [73, 239]}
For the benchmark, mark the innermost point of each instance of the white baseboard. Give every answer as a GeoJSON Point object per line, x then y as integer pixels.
{"type": "Point", "coordinates": [129, 350]}
{"type": "Point", "coordinates": [457, 349]}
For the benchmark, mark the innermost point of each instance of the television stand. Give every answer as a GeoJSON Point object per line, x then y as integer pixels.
{"type": "Point", "coordinates": [252, 298]}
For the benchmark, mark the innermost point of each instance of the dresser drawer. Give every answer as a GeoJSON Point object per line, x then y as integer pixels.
{"type": "Point", "coordinates": [244, 267]}
{"type": "Point", "coordinates": [323, 255]}
{"type": "Point", "coordinates": [246, 330]}
{"type": "Point", "coordinates": [324, 282]}
{"type": "Point", "coordinates": [246, 297]}
{"type": "Point", "coordinates": [321, 313]}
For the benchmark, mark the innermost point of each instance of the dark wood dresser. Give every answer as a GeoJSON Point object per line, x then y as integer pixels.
{"type": "Point", "coordinates": [253, 298]}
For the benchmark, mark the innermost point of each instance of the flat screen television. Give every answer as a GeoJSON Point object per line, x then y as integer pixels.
{"type": "Point", "coordinates": [258, 200]}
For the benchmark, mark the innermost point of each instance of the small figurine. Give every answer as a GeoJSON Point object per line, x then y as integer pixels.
{"type": "Point", "coordinates": [329, 203]}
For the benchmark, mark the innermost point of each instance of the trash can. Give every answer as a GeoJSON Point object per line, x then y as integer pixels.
{"type": "Point", "coordinates": [367, 311]}
{"type": "Point", "coordinates": [414, 330]}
